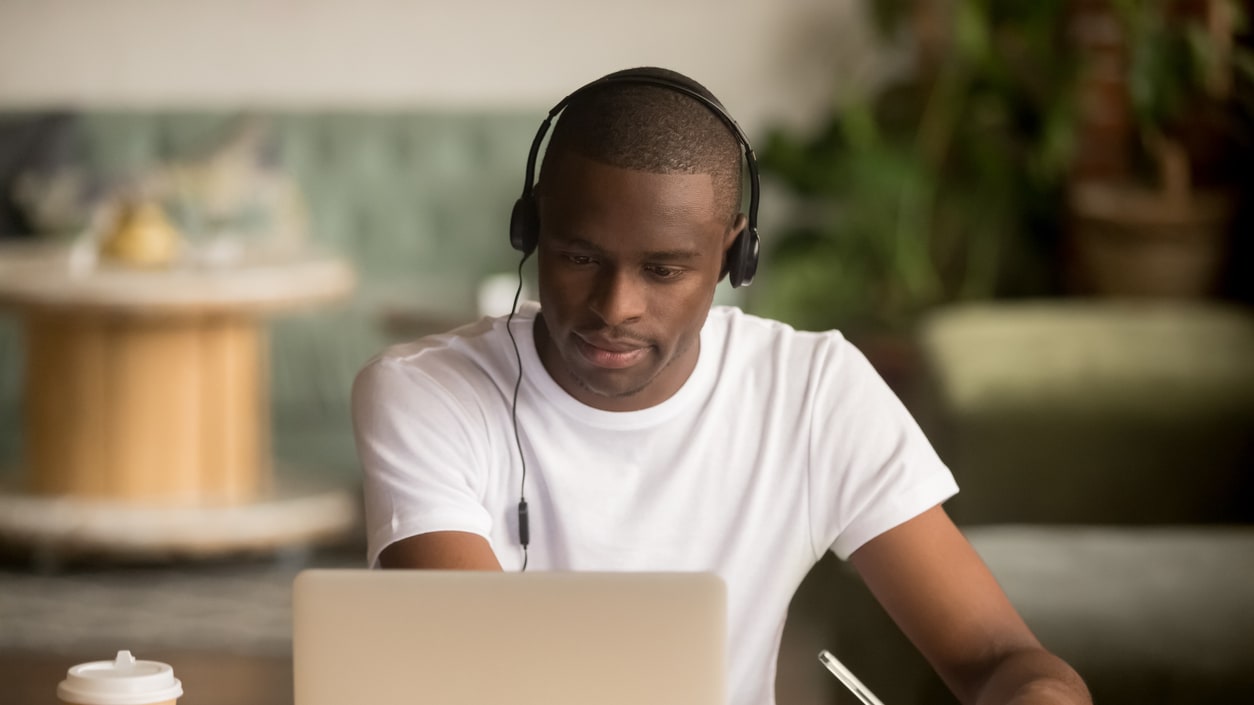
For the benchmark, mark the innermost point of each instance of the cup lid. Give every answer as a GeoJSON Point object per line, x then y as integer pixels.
{"type": "Point", "coordinates": [122, 681]}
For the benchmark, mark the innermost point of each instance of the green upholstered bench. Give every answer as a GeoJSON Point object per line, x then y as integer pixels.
{"type": "Point", "coordinates": [1086, 412]}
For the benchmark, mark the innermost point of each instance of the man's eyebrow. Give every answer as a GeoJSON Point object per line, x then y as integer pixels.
{"type": "Point", "coordinates": [577, 242]}
{"type": "Point", "coordinates": [676, 255]}
{"type": "Point", "coordinates": [673, 255]}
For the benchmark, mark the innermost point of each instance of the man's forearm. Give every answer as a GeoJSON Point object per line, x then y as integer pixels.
{"type": "Point", "coordinates": [1033, 677]}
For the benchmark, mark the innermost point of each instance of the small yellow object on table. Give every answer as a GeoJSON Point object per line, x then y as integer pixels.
{"type": "Point", "coordinates": [142, 237]}
{"type": "Point", "coordinates": [147, 415]}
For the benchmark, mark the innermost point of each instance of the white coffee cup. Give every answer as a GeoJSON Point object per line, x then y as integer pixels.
{"type": "Point", "coordinates": [122, 681]}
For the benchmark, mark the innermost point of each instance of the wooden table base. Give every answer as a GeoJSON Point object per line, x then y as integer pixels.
{"type": "Point", "coordinates": [146, 402]}
{"type": "Point", "coordinates": [168, 408]}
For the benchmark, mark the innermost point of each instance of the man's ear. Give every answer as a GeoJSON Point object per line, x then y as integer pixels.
{"type": "Point", "coordinates": [738, 225]}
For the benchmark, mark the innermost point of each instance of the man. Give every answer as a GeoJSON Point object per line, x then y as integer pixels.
{"type": "Point", "coordinates": [654, 432]}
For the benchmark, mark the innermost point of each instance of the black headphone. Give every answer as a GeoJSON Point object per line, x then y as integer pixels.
{"type": "Point", "coordinates": [741, 262]}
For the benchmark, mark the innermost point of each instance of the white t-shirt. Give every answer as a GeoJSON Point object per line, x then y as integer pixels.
{"type": "Point", "coordinates": [781, 445]}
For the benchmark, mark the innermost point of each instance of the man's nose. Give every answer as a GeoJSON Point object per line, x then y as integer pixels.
{"type": "Point", "coordinates": [619, 297]}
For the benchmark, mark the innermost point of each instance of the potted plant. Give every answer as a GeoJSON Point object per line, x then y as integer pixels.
{"type": "Point", "coordinates": [945, 184]}
{"type": "Point", "coordinates": [1160, 224]}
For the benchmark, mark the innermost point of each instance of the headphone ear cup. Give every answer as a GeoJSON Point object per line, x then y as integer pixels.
{"type": "Point", "coordinates": [742, 258]}
{"type": "Point", "coordinates": [524, 225]}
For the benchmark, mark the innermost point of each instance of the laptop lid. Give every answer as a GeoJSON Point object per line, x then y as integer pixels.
{"type": "Point", "coordinates": [485, 638]}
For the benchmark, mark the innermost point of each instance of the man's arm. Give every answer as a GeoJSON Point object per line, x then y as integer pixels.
{"type": "Point", "coordinates": [441, 550]}
{"type": "Point", "coordinates": [939, 592]}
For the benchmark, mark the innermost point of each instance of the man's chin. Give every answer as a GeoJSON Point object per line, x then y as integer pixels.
{"type": "Point", "coordinates": [605, 386]}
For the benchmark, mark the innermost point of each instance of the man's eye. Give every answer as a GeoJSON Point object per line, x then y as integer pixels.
{"type": "Point", "coordinates": [664, 272]}
{"type": "Point", "coordinates": [578, 259]}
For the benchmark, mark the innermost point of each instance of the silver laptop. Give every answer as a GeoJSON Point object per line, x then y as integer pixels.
{"type": "Point", "coordinates": [479, 638]}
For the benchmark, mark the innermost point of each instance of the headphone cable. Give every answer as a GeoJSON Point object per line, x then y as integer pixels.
{"type": "Point", "coordinates": [524, 527]}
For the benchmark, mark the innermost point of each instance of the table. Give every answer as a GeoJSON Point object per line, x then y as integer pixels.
{"type": "Point", "coordinates": [146, 403]}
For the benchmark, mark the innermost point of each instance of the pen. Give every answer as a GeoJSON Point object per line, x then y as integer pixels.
{"type": "Point", "coordinates": [845, 676]}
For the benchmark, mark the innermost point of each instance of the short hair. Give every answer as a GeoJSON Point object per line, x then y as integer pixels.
{"type": "Point", "coordinates": [651, 128]}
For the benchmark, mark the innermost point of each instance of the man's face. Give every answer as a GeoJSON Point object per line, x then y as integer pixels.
{"type": "Point", "coordinates": [628, 263]}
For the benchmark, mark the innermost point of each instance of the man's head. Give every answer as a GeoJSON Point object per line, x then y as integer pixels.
{"type": "Point", "coordinates": [653, 128]}
{"type": "Point", "coordinates": [638, 202]}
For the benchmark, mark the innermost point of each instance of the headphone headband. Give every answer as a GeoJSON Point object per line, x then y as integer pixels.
{"type": "Point", "coordinates": [742, 258]}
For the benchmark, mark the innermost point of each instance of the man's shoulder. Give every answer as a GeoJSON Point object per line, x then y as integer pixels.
{"type": "Point", "coordinates": [746, 332]}
{"type": "Point", "coordinates": [476, 351]}
{"type": "Point", "coordinates": [778, 356]}
{"type": "Point", "coordinates": [458, 342]}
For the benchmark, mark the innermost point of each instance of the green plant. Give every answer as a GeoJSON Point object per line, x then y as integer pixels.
{"type": "Point", "coordinates": [942, 185]}
{"type": "Point", "coordinates": [1181, 69]}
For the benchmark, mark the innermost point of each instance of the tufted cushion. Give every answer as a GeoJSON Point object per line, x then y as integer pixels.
{"type": "Point", "coordinates": [419, 201]}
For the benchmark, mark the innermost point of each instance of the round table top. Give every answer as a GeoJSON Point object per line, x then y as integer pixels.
{"type": "Point", "coordinates": [51, 276]}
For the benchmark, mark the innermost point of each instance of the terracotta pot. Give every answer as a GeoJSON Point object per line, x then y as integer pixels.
{"type": "Point", "coordinates": [1128, 240]}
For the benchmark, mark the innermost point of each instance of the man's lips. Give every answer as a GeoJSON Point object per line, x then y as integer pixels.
{"type": "Point", "coordinates": [610, 354]}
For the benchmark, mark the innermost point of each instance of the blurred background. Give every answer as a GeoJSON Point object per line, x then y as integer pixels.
{"type": "Point", "coordinates": [1034, 218]}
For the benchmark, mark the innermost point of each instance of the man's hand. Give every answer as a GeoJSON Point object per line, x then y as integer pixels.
{"type": "Point", "coordinates": [935, 587]}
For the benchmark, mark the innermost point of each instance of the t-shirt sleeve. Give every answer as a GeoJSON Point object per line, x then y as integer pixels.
{"type": "Point", "coordinates": [871, 466]}
{"type": "Point", "coordinates": [422, 466]}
